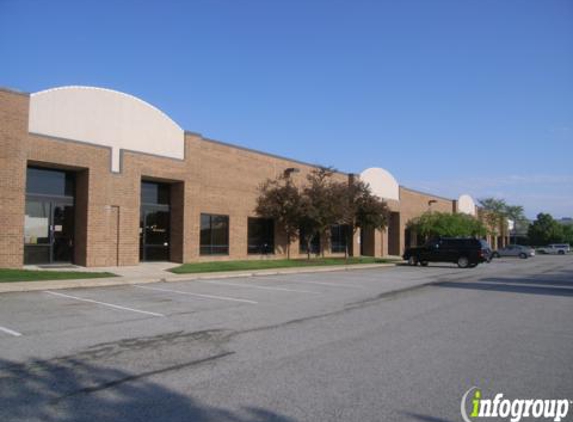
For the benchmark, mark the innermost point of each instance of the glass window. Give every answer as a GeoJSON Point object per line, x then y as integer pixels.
{"type": "Point", "coordinates": [338, 235]}
{"type": "Point", "coordinates": [261, 236]}
{"type": "Point", "coordinates": [37, 223]}
{"type": "Point", "coordinates": [155, 193]}
{"type": "Point", "coordinates": [214, 234]}
{"type": "Point", "coordinates": [314, 244]}
{"type": "Point", "coordinates": [49, 182]}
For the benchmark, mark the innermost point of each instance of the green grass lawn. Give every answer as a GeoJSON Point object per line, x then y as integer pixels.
{"type": "Point", "coordinates": [8, 275]}
{"type": "Point", "coordinates": [208, 267]}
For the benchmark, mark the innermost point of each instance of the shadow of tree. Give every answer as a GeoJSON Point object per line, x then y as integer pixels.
{"type": "Point", "coordinates": [71, 390]}
{"type": "Point", "coordinates": [509, 288]}
{"type": "Point", "coordinates": [425, 418]}
{"type": "Point", "coordinates": [554, 281]}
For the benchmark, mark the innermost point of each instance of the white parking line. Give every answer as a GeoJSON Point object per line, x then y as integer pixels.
{"type": "Point", "coordinates": [231, 299]}
{"type": "Point", "coordinates": [252, 286]}
{"type": "Point", "coordinates": [11, 332]}
{"type": "Point", "coordinates": [110, 305]}
{"type": "Point", "coordinates": [318, 283]}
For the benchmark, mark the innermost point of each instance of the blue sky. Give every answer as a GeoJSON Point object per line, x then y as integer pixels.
{"type": "Point", "coordinates": [460, 96]}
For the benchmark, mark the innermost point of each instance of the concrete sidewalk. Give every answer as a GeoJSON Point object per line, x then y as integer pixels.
{"type": "Point", "coordinates": [154, 272]}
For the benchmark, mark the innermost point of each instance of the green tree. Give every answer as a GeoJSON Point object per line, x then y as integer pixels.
{"type": "Point", "coordinates": [358, 208]}
{"type": "Point", "coordinates": [516, 214]}
{"type": "Point", "coordinates": [545, 230]}
{"type": "Point", "coordinates": [433, 224]}
{"type": "Point", "coordinates": [568, 234]}
{"type": "Point", "coordinates": [282, 201]}
{"type": "Point", "coordinates": [321, 207]}
{"type": "Point", "coordinates": [494, 213]}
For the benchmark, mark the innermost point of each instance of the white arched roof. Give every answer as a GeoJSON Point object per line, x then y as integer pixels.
{"type": "Point", "coordinates": [382, 183]}
{"type": "Point", "coordinates": [466, 205]}
{"type": "Point", "coordinates": [108, 118]}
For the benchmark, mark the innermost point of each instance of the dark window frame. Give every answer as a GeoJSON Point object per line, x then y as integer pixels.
{"type": "Point", "coordinates": [50, 182]}
{"type": "Point", "coordinates": [162, 193]}
{"type": "Point", "coordinates": [55, 190]}
{"type": "Point", "coordinates": [339, 238]}
{"type": "Point", "coordinates": [265, 244]}
{"type": "Point", "coordinates": [208, 247]}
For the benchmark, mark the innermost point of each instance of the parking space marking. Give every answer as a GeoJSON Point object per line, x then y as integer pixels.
{"type": "Point", "coordinates": [110, 305]}
{"type": "Point", "coordinates": [318, 283]}
{"type": "Point", "coordinates": [280, 289]}
{"type": "Point", "coordinates": [230, 299]}
{"type": "Point", "coordinates": [9, 331]}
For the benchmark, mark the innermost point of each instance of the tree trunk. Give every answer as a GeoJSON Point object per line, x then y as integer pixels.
{"type": "Point", "coordinates": [349, 239]}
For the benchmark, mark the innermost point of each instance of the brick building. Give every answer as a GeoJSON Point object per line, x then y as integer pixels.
{"type": "Point", "coordinates": [100, 178]}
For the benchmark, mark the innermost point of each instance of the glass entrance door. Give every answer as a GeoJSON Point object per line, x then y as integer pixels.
{"type": "Point", "coordinates": [154, 223]}
{"type": "Point", "coordinates": [154, 234]}
{"type": "Point", "coordinates": [48, 231]}
{"type": "Point", "coordinates": [62, 232]}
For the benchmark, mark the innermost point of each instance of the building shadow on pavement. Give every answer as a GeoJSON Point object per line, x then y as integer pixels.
{"type": "Point", "coordinates": [68, 390]}
{"type": "Point", "coordinates": [552, 285]}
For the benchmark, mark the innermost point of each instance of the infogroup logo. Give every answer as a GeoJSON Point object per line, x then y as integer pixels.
{"type": "Point", "coordinates": [515, 410]}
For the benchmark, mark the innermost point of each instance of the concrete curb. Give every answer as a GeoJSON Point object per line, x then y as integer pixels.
{"type": "Point", "coordinates": [28, 286]}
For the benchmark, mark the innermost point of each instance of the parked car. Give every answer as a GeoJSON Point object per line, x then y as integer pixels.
{"type": "Point", "coordinates": [520, 251]}
{"type": "Point", "coordinates": [556, 249]}
{"type": "Point", "coordinates": [466, 252]}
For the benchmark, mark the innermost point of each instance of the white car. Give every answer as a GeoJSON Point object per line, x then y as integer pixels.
{"type": "Point", "coordinates": [556, 249]}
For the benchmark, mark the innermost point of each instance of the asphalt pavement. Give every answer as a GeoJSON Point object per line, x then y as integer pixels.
{"type": "Point", "coordinates": [387, 344]}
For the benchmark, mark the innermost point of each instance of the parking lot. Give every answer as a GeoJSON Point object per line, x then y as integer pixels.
{"type": "Point", "coordinates": [347, 345]}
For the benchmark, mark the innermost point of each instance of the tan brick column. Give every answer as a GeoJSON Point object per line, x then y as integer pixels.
{"type": "Point", "coordinates": [13, 155]}
{"type": "Point", "coordinates": [383, 245]}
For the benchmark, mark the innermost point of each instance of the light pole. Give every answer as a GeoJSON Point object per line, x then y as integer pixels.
{"type": "Point", "coordinates": [289, 171]}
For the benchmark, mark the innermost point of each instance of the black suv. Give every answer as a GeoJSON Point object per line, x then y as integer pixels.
{"type": "Point", "coordinates": [464, 251]}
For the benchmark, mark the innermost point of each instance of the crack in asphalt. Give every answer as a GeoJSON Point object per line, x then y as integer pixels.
{"type": "Point", "coordinates": [111, 349]}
